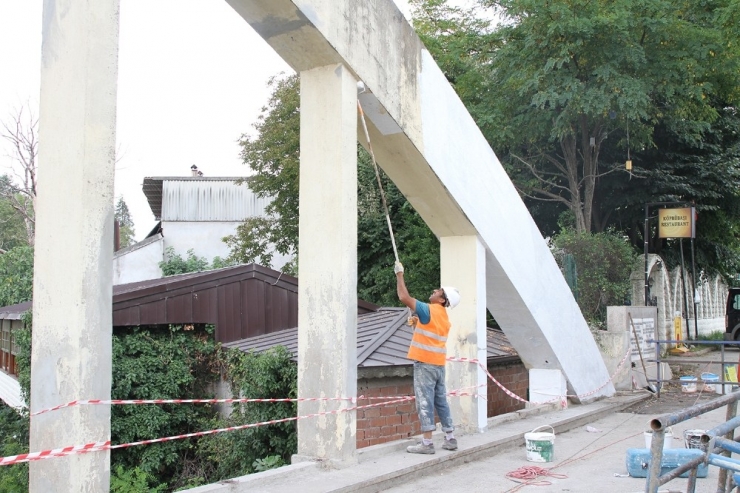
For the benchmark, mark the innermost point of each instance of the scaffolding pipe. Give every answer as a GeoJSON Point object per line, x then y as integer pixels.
{"type": "Point", "coordinates": [663, 422]}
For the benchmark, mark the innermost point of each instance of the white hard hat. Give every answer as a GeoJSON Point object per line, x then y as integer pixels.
{"type": "Point", "coordinates": [453, 296]}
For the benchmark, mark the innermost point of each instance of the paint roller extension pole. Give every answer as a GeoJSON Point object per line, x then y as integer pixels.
{"type": "Point", "coordinates": [377, 175]}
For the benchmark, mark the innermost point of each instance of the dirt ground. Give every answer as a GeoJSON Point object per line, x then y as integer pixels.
{"type": "Point", "coordinates": [671, 400]}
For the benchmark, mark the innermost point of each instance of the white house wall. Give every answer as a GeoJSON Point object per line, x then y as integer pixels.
{"type": "Point", "coordinates": [139, 262]}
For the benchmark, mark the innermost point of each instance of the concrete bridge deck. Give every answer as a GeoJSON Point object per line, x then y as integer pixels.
{"type": "Point", "coordinates": [482, 459]}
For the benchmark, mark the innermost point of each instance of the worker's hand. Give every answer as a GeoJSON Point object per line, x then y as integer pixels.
{"type": "Point", "coordinates": [398, 268]}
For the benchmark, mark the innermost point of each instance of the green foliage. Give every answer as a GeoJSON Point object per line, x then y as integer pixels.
{"type": "Point", "coordinates": [133, 481]}
{"type": "Point", "coordinates": [555, 79]}
{"type": "Point", "coordinates": [269, 462]}
{"type": "Point", "coordinates": [266, 375]}
{"type": "Point", "coordinates": [174, 263]}
{"type": "Point", "coordinates": [14, 433]}
{"type": "Point", "coordinates": [125, 224]}
{"type": "Point", "coordinates": [273, 157]}
{"type": "Point", "coordinates": [418, 248]}
{"type": "Point", "coordinates": [23, 358]}
{"type": "Point", "coordinates": [16, 275]}
{"type": "Point", "coordinates": [12, 226]}
{"type": "Point", "coordinates": [182, 362]}
{"type": "Point", "coordinates": [604, 262]}
{"type": "Point", "coordinates": [176, 362]}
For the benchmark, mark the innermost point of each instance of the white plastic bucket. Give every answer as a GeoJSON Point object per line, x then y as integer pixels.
{"type": "Point", "coordinates": [688, 384]}
{"type": "Point", "coordinates": [540, 445]}
{"type": "Point", "coordinates": [711, 383]}
{"type": "Point", "coordinates": [692, 439]}
{"type": "Point", "coordinates": [667, 443]}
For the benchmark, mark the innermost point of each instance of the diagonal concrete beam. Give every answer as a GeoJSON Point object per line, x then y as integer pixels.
{"type": "Point", "coordinates": [429, 145]}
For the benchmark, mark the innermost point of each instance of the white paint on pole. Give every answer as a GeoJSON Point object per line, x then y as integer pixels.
{"type": "Point", "coordinates": [327, 263]}
{"type": "Point", "coordinates": [463, 266]}
{"type": "Point", "coordinates": [72, 313]}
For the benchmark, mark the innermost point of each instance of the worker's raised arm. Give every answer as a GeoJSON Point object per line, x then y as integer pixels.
{"type": "Point", "coordinates": [403, 293]}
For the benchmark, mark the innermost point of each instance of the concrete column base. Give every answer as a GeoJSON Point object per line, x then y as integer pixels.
{"type": "Point", "coordinates": [547, 386]}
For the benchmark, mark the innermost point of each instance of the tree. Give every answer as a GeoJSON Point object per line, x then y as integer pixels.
{"type": "Point", "coordinates": [16, 275]}
{"type": "Point", "coordinates": [20, 131]}
{"type": "Point", "coordinates": [273, 156]}
{"type": "Point", "coordinates": [12, 226]}
{"type": "Point", "coordinates": [555, 79]}
{"type": "Point", "coordinates": [125, 223]}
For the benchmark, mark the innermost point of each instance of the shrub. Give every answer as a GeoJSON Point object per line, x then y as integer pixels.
{"type": "Point", "coordinates": [604, 262]}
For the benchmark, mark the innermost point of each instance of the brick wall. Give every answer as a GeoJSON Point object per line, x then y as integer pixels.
{"type": "Point", "coordinates": [397, 421]}
{"type": "Point", "coordinates": [513, 376]}
{"type": "Point", "coordinates": [386, 423]}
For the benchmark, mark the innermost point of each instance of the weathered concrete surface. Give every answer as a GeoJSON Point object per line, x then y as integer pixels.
{"type": "Point", "coordinates": [327, 292]}
{"type": "Point", "coordinates": [72, 290]}
{"type": "Point", "coordinates": [430, 147]}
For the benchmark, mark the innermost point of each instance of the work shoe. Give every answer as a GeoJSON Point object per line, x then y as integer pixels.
{"type": "Point", "coordinates": [420, 448]}
{"type": "Point", "coordinates": [450, 444]}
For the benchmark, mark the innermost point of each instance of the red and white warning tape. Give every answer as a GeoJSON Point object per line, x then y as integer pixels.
{"type": "Point", "coordinates": [101, 446]}
{"type": "Point", "coordinates": [58, 452]}
{"type": "Point", "coordinates": [91, 402]}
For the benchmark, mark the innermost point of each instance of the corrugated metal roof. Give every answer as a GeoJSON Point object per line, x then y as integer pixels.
{"type": "Point", "coordinates": [241, 301]}
{"type": "Point", "coordinates": [209, 201]}
{"type": "Point", "coordinates": [180, 198]}
{"type": "Point", "coordinates": [14, 312]}
{"type": "Point", "coordinates": [383, 339]}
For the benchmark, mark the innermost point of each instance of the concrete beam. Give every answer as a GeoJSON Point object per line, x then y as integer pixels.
{"type": "Point", "coordinates": [429, 145]}
{"type": "Point", "coordinates": [327, 267]}
{"type": "Point", "coordinates": [72, 289]}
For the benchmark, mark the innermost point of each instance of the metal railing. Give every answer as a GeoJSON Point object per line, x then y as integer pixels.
{"type": "Point", "coordinates": [692, 360]}
{"type": "Point", "coordinates": [718, 444]}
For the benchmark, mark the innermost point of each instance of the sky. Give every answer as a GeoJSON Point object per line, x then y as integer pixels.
{"type": "Point", "coordinates": [192, 78]}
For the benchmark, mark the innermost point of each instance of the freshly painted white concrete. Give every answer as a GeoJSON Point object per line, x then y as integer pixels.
{"type": "Point", "coordinates": [463, 266]}
{"type": "Point", "coordinates": [72, 289]}
{"type": "Point", "coordinates": [327, 292]}
{"type": "Point", "coordinates": [547, 386]}
{"type": "Point", "coordinates": [444, 166]}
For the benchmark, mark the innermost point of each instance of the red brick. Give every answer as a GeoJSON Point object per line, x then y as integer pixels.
{"type": "Point", "coordinates": [377, 422]}
{"type": "Point", "coordinates": [372, 433]}
{"type": "Point", "coordinates": [404, 430]}
{"type": "Point", "coordinates": [389, 410]}
{"type": "Point", "coordinates": [394, 420]}
{"type": "Point", "coordinates": [372, 412]}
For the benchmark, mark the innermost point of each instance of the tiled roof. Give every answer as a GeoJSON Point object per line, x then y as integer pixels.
{"type": "Point", "coordinates": [382, 340]}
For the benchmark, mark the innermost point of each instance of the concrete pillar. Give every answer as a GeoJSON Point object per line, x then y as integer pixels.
{"type": "Point", "coordinates": [72, 289]}
{"type": "Point", "coordinates": [327, 267]}
{"type": "Point", "coordinates": [463, 265]}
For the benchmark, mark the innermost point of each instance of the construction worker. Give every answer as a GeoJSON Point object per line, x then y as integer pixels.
{"type": "Point", "coordinates": [427, 350]}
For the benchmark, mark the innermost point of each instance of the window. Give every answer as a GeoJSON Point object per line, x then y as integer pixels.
{"type": "Point", "coordinates": [8, 348]}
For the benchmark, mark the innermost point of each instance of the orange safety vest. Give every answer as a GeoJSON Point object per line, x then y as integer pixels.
{"type": "Point", "coordinates": [429, 340]}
